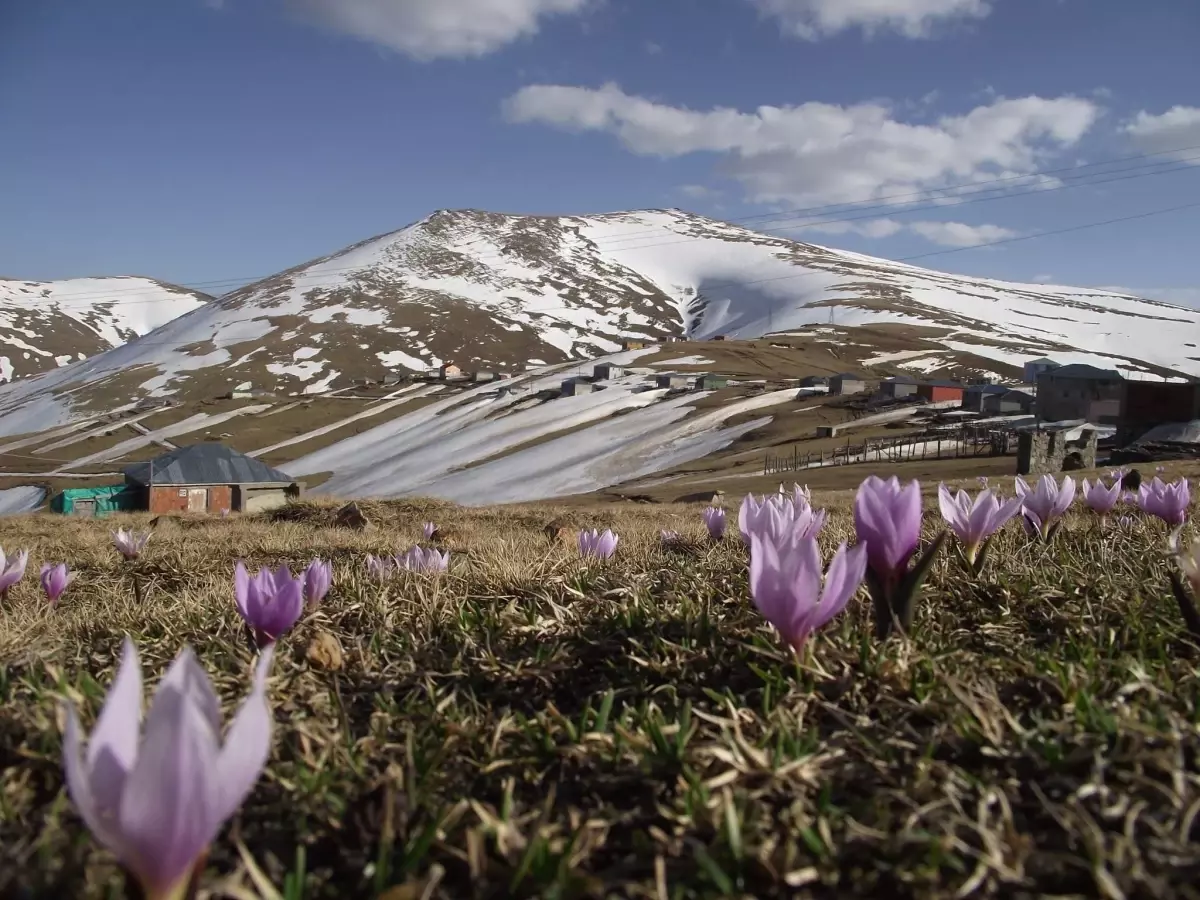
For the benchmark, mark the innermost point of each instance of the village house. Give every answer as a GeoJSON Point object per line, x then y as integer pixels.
{"type": "Point", "coordinates": [847, 383]}
{"type": "Point", "coordinates": [1148, 404]}
{"type": "Point", "coordinates": [1079, 391]}
{"type": "Point", "coordinates": [483, 375]}
{"type": "Point", "coordinates": [711, 382]}
{"type": "Point", "coordinates": [940, 391]}
{"type": "Point", "coordinates": [607, 372]}
{"type": "Point", "coordinates": [209, 477]}
{"type": "Point", "coordinates": [449, 370]}
{"type": "Point", "coordinates": [899, 386]}
{"type": "Point", "coordinates": [975, 395]}
{"type": "Point", "coordinates": [634, 344]}
{"type": "Point", "coordinates": [1011, 403]}
{"type": "Point", "coordinates": [671, 381]}
{"type": "Point", "coordinates": [1035, 367]}
{"type": "Point", "coordinates": [572, 387]}
{"type": "Point", "coordinates": [814, 381]}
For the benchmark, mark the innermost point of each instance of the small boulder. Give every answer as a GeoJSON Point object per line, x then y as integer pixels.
{"type": "Point", "coordinates": [325, 652]}
{"type": "Point", "coordinates": [560, 531]}
{"type": "Point", "coordinates": [352, 516]}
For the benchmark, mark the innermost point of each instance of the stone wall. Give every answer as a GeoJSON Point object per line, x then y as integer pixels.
{"type": "Point", "coordinates": [1048, 453]}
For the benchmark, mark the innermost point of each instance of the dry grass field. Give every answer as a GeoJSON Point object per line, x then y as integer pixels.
{"type": "Point", "coordinates": [530, 726]}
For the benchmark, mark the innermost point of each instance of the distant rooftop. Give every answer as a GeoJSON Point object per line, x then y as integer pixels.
{"type": "Point", "coordinates": [1083, 370]}
{"type": "Point", "coordinates": [986, 389]}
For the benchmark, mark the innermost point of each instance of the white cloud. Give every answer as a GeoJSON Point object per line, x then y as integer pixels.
{"type": "Point", "coordinates": [944, 234]}
{"type": "Point", "coordinates": [871, 228]}
{"type": "Point", "coordinates": [429, 29]}
{"type": "Point", "coordinates": [815, 19]}
{"type": "Point", "coordinates": [959, 234]}
{"type": "Point", "coordinates": [698, 191]}
{"type": "Point", "coordinates": [1173, 131]}
{"type": "Point", "coordinates": [819, 153]}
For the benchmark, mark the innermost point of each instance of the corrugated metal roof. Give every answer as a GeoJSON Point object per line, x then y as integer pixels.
{"type": "Point", "coordinates": [986, 389]}
{"type": "Point", "coordinates": [206, 464]}
{"type": "Point", "coordinates": [1082, 370]}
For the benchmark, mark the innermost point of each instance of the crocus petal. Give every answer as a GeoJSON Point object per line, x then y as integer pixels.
{"type": "Point", "coordinates": [846, 573]}
{"type": "Point", "coordinates": [247, 743]}
{"type": "Point", "coordinates": [170, 805]}
{"type": "Point", "coordinates": [113, 745]}
{"type": "Point", "coordinates": [241, 589]}
{"type": "Point", "coordinates": [79, 785]}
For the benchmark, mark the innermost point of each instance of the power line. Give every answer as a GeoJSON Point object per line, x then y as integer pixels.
{"type": "Point", "coordinates": [815, 272]}
{"type": "Point", "coordinates": [889, 200]}
{"type": "Point", "coordinates": [610, 243]}
{"type": "Point", "coordinates": [689, 239]}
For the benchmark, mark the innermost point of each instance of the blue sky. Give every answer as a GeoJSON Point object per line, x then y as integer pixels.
{"type": "Point", "coordinates": [211, 142]}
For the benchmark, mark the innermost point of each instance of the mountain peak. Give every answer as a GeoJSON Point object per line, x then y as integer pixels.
{"type": "Point", "coordinates": [504, 291]}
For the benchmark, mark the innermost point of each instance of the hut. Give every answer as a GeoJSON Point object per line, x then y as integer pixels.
{"type": "Point", "coordinates": [208, 477]}
{"type": "Point", "coordinates": [847, 383]}
{"type": "Point", "coordinates": [95, 501]}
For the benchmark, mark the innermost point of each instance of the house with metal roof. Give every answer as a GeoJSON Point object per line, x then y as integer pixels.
{"type": "Point", "coordinates": [1036, 367]}
{"type": "Point", "coordinates": [209, 477]}
{"type": "Point", "coordinates": [899, 386]}
{"type": "Point", "coordinates": [1080, 391]}
{"type": "Point", "coordinates": [847, 383]}
{"type": "Point", "coordinates": [975, 394]}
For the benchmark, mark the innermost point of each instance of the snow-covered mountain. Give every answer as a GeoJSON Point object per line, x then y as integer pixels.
{"type": "Point", "coordinates": [50, 324]}
{"type": "Point", "coordinates": [504, 291]}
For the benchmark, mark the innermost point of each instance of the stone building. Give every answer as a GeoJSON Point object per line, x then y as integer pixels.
{"type": "Point", "coordinates": [1048, 451]}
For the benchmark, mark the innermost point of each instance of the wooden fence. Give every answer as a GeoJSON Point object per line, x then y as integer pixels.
{"type": "Point", "coordinates": [967, 442]}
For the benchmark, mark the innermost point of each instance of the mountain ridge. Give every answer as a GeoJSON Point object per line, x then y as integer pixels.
{"type": "Point", "coordinates": [502, 291]}
{"type": "Point", "coordinates": [50, 324]}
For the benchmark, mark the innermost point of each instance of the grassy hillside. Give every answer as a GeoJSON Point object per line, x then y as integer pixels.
{"type": "Point", "coordinates": [526, 725]}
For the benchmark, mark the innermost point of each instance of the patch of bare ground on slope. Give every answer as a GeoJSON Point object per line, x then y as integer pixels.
{"type": "Point", "coordinates": [528, 726]}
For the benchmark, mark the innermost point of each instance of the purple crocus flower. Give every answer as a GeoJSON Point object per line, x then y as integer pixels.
{"type": "Point", "coordinates": [779, 516]}
{"type": "Point", "coordinates": [55, 579]}
{"type": "Point", "coordinates": [11, 571]}
{"type": "Point", "coordinates": [887, 518]}
{"type": "Point", "coordinates": [785, 583]}
{"type": "Point", "coordinates": [1043, 505]}
{"type": "Point", "coordinates": [270, 602]}
{"type": "Point", "coordinates": [429, 529]}
{"type": "Point", "coordinates": [1100, 499]}
{"type": "Point", "coordinates": [974, 523]}
{"type": "Point", "coordinates": [416, 559]}
{"type": "Point", "coordinates": [1168, 502]}
{"type": "Point", "coordinates": [317, 579]}
{"type": "Point", "coordinates": [714, 521]}
{"type": "Point", "coordinates": [158, 800]}
{"type": "Point", "coordinates": [598, 544]}
{"type": "Point", "coordinates": [669, 538]}
{"type": "Point", "coordinates": [129, 543]}
{"type": "Point", "coordinates": [379, 567]}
